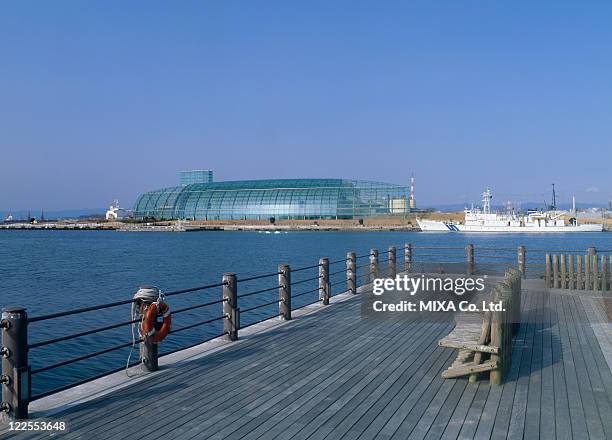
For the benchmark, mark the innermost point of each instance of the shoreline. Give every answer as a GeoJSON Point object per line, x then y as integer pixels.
{"type": "Point", "coordinates": [220, 228]}
{"type": "Point", "coordinates": [403, 223]}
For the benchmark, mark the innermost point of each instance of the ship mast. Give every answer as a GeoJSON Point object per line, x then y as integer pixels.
{"type": "Point", "coordinates": [554, 200]}
{"type": "Point", "coordinates": [486, 201]}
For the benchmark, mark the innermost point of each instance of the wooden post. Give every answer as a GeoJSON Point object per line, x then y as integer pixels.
{"type": "Point", "coordinates": [555, 268]}
{"type": "Point", "coordinates": [231, 323]}
{"type": "Point", "coordinates": [373, 264]}
{"type": "Point", "coordinates": [579, 273]}
{"type": "Point", "coordinates": [324, 292]}
{"type": "Point", "coordinates": [604, 274]}
{"type": "Point", "coordinates": [16, 378]}
{"type": "Point", "coordinates": [571, 280]}
{"type": "Point", "coordinates": [469, 253]}
{"type": "Point", "coordinates": [284, 291]}
{"type": "Point", "coordinates": [392, 262]}
{"type": "Point", "coordinates": [408, 258]}
{"type": "Point", "coordinates": [563, 272]}
{"type": "Point", "coordinates": [351, 272]}
{"type": "Point", "coordinates": [591, 251]}
{"type": "Point", "coordinates": [521, 261]}
{"type": "Point", "coordinates": [594, 264]}
{"type": "Point", "coordinates": [483, 339]}
{"type": "Point", "coordinates": [587, 272]}
{"type": "Point", "coordinates": [548, 272]}
{"type": "Point", "coordinates": [495, 376]}
{"type": "Point", "coordinates": [516, 316]}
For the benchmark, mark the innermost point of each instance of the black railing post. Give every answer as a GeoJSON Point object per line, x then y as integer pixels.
{"type": "Point", "coordinates": [324, 292]}
{"type": "Point", "coordinates": [469, 250]}
{"type": "Point", "coordinates": [284, 291]}
{"type": "Point", "coordinates": [408, 258]}
{"type": "Point", "coordinates": [392, 262]}
{"type": "Point", "coordinates": [148, 349]}
{"type": "Point", "coordinates": [521, 261]}
{"type": "Point", "coordinates": [351, 272]}
{"type": "Point", "coordinates": [149, 355]}
{"type": "Point", "coordinates": [16, 379]}
{"type": "Point", "coordinates": [373, 264]}
{"type": "Point", "coordinates": [231, 324]}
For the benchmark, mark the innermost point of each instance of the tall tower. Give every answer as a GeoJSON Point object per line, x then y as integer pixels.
{"type": "Point", "coordinates": [412, 200]}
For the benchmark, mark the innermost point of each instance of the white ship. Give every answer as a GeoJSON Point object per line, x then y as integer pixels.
{"type": "Point", "coordinates": [483, 220]}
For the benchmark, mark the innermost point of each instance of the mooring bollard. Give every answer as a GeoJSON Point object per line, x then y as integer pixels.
{"type": "Point", "coordinates": [324, 292]}
{"type": "Point", "coordinates": [521, 261]}
{"type": "Point", "coordinates": [231, 323]}
{"type": "Point", "coordinates": [284, 291]}
{"type": "Point", "coordinates": [408, 257]}
{"type": "Point", "coordinates": [469, 251]}
{"type": "Point", "coordinates": [15, 379]}
{"type": "Point", "coordinates": [392, 262]}
{"type": "Point", "coordinates": [373, 264]}
{"type": "Point", "coordinates": [351, 272]}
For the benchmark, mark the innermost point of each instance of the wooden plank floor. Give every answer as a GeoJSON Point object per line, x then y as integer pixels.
{"type": "Point", "coordinates": [333, 375]}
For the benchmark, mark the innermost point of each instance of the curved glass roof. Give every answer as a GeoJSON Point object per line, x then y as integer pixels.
{"type": "Point", "coordinates": [279, 198]}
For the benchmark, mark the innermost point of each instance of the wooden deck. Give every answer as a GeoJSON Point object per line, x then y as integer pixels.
{"type": "Point", "coordinates": [333, 375]}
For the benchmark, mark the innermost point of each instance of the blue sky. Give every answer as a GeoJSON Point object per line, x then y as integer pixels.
{"type": "Point", "coordinates": [104, 100]}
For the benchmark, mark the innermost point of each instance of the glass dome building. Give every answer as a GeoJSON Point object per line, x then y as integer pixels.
{"type": "Point", "coordinates": [297, 199]}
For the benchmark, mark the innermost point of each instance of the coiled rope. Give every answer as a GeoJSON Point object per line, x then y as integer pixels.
{"type": "Point", "coordinates": [147, 295]}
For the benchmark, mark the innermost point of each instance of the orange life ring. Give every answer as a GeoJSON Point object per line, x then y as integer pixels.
{"type": "Point", "coordinates": [151, 330]}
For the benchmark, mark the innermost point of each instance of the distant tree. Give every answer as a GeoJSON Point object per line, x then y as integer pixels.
{"type": "Point", "coordinates": [272, 220]}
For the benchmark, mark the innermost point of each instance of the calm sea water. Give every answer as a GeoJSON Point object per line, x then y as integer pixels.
{"type": "Point", "coordinates": [50, 271]}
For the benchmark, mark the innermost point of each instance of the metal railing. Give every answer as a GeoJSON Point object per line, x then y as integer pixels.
{"type": "Point", "coordinates": [17, 372]}
{"type": "Point", "coordinates": [340, 275]}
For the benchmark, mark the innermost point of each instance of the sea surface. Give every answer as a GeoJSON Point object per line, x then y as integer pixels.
{"type": "Point", "coordinates": [52, 271]}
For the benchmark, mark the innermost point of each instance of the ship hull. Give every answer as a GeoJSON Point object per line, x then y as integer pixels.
{"type": "Point", "coordinates": [438, 226]}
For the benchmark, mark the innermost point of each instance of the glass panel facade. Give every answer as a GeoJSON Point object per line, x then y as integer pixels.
{"type": "Point", "coordinates": [279, 198]}
{"type": "Point", "coordinates": [196, 176]}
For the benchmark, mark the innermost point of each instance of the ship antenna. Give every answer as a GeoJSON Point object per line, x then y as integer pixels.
{"type": "Point", "coordinates": [486, 201]}
{"type": "Point", "coordinates": [554, 203]}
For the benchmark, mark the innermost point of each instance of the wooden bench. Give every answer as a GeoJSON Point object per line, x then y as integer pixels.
{"type": "Point", "coordinates": [484, 340]}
